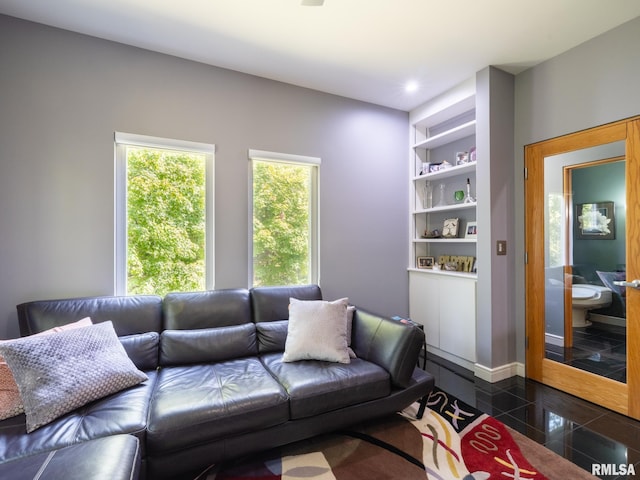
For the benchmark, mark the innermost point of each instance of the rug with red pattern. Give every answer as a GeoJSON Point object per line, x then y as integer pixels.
{"type": "Point", "coordinates": [452, 441]}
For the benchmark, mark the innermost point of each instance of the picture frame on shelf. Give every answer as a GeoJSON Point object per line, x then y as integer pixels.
{"type": "Point", "coordinates": [450, 228]}
{"type": "Point", "coordinates": [425, 262]}
{"type": "Point", "coordinates": [462, 158]}
{"type": "Point", "coordinates": [471, 231]}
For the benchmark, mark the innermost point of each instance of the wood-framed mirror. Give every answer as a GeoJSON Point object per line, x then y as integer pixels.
{"type": "Point", "coordinates": [582, 242]}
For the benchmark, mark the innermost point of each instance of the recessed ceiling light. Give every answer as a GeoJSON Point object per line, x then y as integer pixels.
{"type": "Point", "coordinates": [411, 86]}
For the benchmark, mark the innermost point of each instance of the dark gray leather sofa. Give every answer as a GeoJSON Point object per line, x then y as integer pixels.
{"type": "Point", "coordinates": [217, 387]}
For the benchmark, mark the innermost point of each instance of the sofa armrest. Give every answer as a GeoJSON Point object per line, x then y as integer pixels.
{"type": "Point", "coordinates": [393, 345]}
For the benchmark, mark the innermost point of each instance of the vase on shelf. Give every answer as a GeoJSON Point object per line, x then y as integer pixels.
{"type": "Point", "coordinates": [441, 201]}
{"type": "Point", "coordinates": [427, 199]}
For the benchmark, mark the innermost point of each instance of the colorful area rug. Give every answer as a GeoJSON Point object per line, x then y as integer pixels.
{"type": "Point", "coordinates": [452, 441]}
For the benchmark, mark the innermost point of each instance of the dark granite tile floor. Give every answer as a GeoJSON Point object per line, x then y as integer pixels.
{"type": "Point", "coordinates": [578, 430]}
{"type": "Point", "coordinates": [599, 349]}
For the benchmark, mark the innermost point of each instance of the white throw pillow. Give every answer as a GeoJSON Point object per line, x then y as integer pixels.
{"type": "Point", "coordinates": [10, 401]}
{"type": "Point", "coordinates": [60, 372]}
{"type": "Point", "coordinates": [317, 330]}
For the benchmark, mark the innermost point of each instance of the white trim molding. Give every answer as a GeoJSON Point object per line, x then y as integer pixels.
{"type": "Point", "coordinates": [283, 157]}
{"type": "Point", "coordinates": [496, 374]}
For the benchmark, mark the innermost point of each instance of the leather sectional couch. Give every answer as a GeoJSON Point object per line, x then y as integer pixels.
{"type": "Point", "coordinates": [217, 387]}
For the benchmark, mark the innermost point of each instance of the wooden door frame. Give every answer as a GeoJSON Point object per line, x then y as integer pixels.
{"type": "Point", "coordinates": [620, 397]}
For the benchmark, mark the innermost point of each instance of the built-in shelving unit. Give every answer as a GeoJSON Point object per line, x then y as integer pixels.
{"type": "Point", "coordinates": [441, 299]}
{"type": "Point", "coordinates": [438, 138]}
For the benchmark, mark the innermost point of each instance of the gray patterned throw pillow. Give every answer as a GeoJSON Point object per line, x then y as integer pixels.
{"type": "Point", "coordinates": [64, 371]}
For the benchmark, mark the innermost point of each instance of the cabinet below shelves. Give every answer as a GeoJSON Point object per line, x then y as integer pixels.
{"type": "Point", "coordinates": [449, 323]}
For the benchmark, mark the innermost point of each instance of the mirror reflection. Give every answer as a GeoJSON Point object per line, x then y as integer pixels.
{"type": "Point", "coordinates": [585, 254]}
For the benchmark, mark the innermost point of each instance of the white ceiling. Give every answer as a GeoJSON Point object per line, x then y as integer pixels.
{"type": "Point", "coordinates": [362, 49]}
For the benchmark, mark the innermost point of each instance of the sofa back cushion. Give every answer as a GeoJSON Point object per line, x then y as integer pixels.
{"type": "Point", "coordinates": [129, 315]}
{"type": "Point", "coordinates": [272, 336]}
{"type": "Point", "coordinates": [213, 308]}
{"type": "Point", "coordinates": [207, 345]}
{"type": "Point", "coordinates": [142, 349]}
{"type": "Point", "coordinates": [271, 304]}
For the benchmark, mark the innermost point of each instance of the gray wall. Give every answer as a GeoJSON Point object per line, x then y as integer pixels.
{"type": "Point", "coordinates": [592, 84]}
{"type": "Point", "coordinates": [495, 327]}
{"type": "Point", "coordinates": [62, 96]}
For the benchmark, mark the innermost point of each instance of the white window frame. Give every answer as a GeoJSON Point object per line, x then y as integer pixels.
{"type": "Point", "coordinates": [122, 141]}
{"type": "Point", "coordinates": [314, 220]}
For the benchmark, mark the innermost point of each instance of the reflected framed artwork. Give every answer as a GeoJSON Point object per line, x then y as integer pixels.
{"type": "Point", "coordinates": [595, 221]}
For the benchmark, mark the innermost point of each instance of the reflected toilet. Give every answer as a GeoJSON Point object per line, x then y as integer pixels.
{"type": "Point", "coordinates": [585, 297]}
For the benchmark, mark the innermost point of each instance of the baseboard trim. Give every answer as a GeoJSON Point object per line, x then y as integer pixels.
{"type": "Point", "coordinates": [496, 374]}
{"type": "Point", "coordinates": [553, 339]}
{"type": "Point", "coordinates": [452, 358]}
{"type": "Point", "coordinates": [608, 320]}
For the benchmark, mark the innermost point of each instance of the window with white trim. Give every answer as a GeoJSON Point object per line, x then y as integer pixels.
{"type": "Point", "coordinates": [164, 215]}
{"type": "Point", "coordinates": [284, 219]}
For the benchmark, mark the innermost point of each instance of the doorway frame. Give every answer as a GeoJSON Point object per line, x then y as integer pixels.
{"type": "Point", "coordinates": [620, 397]}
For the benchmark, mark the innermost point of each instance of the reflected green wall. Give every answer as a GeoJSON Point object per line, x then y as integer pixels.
{"type": "Point", "coordinates": [600, 183]}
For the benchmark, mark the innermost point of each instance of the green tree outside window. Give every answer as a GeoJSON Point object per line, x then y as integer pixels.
{"type": "Point", "coordinates": [166, 221]}
{"type": "Point", "coordinates": [281, 223]}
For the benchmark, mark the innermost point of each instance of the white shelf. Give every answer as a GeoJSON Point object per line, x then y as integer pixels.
{"type": "Point", "coordinates": [448, 172]}
{"type": "Point", "coordinates": [445, 273]}
{"type": "Point", "coordinates": [445, 240]}
{"type": "Point", "coordinates": [453, 206]}
{"type": "Point", "coordinates": [461, 131]}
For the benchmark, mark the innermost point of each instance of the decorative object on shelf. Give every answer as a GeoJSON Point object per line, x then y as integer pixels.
{"type": "Point", "coordinates": [425, 262]}
{"type": "Point", "coordinates": [456, 263]}
{"type": "Point", "coordinates": [425, 168]}
{"type": "Point", "coordinates": [458, 195]}
{"type": "Point", "coordinates": [462, 158]}
{"type": "Point", "coordinates": [595, 221]}
{"type": "Point", "coordinates": [427, 200]}
{"type": "Point", "coordinates": [432, 234]}
{"type": "Point", "coordinates": [450, 229]}
{"type": "Point", "coordinates": [471, 230]}
{"type": "Point", "coordinates": [445, 165]}
{"type": "Point", "coordinates": [441, 200]}
{"type": "Point", "coordinates": [434, 167]}
{"type": "Point", "coordinates": [469, 198]}
{"type": "Point", "coordinates": [472, 154]}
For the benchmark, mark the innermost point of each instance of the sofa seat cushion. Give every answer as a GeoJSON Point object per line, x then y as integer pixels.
{"type": "Point", "coordinates": [122, 412]}
{"type": "Point", "coordinates": [315, 387]}
{"type": "Point", "coordinates": [199, 403]}
{"type": "Point", "coordinates": [114, 458]}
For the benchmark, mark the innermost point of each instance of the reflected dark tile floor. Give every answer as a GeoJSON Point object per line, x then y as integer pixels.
{"type": "Point", "coordinates": [578, 430]}
{"type": "Point", "coordinates": [599, 349]}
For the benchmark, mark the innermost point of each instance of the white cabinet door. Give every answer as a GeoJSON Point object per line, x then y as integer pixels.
{"type": "Point", "coordinates": [446, 306]}
{"type": "Point", "coordinates": [458, 317]}
{"type": "Point", "coordinates": [424, 305]}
